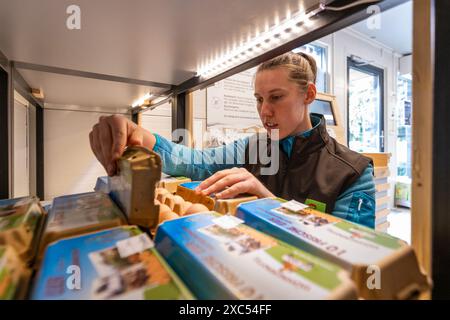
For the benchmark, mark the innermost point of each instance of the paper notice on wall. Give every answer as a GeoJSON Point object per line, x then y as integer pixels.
{"type": "Point", "coordinates": [231, 102]}
{"type": "Point", "coordinates": [198, 134]}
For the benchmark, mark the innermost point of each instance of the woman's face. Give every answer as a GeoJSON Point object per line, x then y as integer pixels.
{"type": "Point", "coordinates": [281, 103]}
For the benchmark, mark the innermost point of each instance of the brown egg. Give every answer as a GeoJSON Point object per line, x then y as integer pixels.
{"type": "Point", "coordinates": [166, 214]}
{"type": "Point", "coordinates": [196, 208]}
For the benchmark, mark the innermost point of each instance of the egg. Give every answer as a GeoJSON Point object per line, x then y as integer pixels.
{"type": "Point", "coordinates": [165, 214]}
{"type": "Point", "coordinates": [196, 208]}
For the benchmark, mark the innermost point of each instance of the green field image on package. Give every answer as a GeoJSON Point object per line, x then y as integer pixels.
{"type": "Point", "coordinates": [119, 263]}
{"type": "Point", "coordinates": [219, 261]}
{"type": "Point", "coordinates": [356, 248]}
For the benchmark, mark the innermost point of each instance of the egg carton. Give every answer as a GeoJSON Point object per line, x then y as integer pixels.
{"type": "Point", "coordinates": [21, 223]}
{"type": "Point", "coordinates": [223, 206]}
{"type": "Point", "coordinates": [78, 214]}
{"type": "Point", "coordinates": [219, 258]}
{"type": "Point", "coordinates": [14, 275]}
{"type": "Point", "coordinates": [133, 189]}
{"type": "Point", "coordinates": [382, 266]}
{"type": "Point", "coordinates": [118, 263]}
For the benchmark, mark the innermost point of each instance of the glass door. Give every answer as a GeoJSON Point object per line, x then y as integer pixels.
{"type": "Point", "coordinates": [365, 107]}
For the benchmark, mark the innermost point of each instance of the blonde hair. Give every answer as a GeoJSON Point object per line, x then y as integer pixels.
{"type": "Point", "coordinates": [301, 66]}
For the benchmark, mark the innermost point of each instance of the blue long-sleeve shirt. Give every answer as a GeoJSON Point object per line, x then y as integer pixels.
{"type": "Point", "coordinates": [356, 204]}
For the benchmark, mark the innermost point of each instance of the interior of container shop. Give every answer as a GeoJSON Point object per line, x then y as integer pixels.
{"type": "Point", "coordinates": [168, 65]}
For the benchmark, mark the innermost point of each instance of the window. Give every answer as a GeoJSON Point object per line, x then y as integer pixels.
{"type": "Point", "coordinates": [404, 122]}
{"type": "Point", "coordinates": [320, 54]}
{"type": "Point", "coordinates": [365, 107]}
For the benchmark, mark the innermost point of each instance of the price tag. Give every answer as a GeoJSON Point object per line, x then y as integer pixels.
{"type": "Point", "coordinates": [134, 245]}
{"type": "Point", "coordinates": [227, 221]}
{"type": "Point", "coordinates": [294, 206]}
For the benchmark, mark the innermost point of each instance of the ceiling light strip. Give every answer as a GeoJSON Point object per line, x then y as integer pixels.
{"type": "Point", "coordinates": [277, 35]}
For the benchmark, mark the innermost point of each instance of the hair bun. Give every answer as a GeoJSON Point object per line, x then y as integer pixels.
{"type": "Point", "coordinates": [301, 66]}
{"type": "Point", "coordinates": [311, 62]}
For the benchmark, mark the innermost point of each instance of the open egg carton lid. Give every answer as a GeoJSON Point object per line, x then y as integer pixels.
{"type": "Point", "coordinates": [133, 189]}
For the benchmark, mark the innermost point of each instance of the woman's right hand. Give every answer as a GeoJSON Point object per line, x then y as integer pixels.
{"type": "Point", "coordinates": [112, 134]}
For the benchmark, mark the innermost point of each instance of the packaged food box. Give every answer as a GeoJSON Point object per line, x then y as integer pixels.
{"type": "Point", "coordinates": [382, 266]}
{"type": "Point", "coordinates": [21, 222]}
{"type": "Point", "coordinates": [78, 214]}
{"type": "Point", "coordinates": [133, 189]}
{"type": "Point", "coordinates": [102, 185]}
{"type": "Point", "coordinates": [171, 183]}
{"type": "Point", "coordinates": [218, 257]}
{"type": "Point", "coordinates": [118, 263]}
{"type": "Point", "coordinates": [13, 275]}
{"type": "Point", "coordinates": [224, 206]}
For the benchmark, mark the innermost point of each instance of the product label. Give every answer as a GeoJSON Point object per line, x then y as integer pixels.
{"type": "Point", "coordinates": [245, 263]}
{"type": "Point", "coordinates": [134, 245]}
{"type": "Point", "coordinates": [350, 243]}
{"type": "Point", "coordinates": [228, 221]}
{"type": "Point", "coordinates": [294, 206]}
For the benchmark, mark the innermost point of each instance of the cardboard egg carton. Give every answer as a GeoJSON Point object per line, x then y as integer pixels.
{"type": "Point", "coordinates": [78, 214]}
{"type": "Point", "coordinates": [133, 189]}
{"type": "Point", "coordinates": [223, 206]}
{"type": "Point", "coordinates": [218, 257]}
{"type": "Point", "coordinates": [171, 183]}
{"type": "Point", "coordinates": [21, 222]}
{"type": "Point", "coordinates": [382, 266]}
{"type": "Point", "coordinates": [118, 263]}
{"type": "Point", "coordinates": [14, 276]}
{"type": "Point", "coordinates": [174, 206]}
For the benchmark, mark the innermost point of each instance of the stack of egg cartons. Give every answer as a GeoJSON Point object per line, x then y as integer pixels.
{"type": "Point", "coordinates": [382, 198]}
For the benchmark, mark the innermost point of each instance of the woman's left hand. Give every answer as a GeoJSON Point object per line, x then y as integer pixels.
{"type": "Point", "coordinates": [238, 180]}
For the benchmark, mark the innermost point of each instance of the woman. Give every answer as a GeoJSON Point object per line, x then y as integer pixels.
{"type": "Point", "coordinates": [312, 167]}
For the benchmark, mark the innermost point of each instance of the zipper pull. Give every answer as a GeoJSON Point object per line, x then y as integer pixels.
{"type": "Point", "coordinates": [360, 204]}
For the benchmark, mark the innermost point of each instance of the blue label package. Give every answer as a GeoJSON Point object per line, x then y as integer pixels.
{"type": "Point", "coordinates": [118, 263]}
{"type": "Point", "coordinates": [360, 250]}
{"type": "Point", "coordinates": [218, 257]}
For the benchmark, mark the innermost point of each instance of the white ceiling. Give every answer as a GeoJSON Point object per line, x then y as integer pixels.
{"type": "Point", "coordinates": [164, 41]}
{"type": "Point", "coordinates": [159, 40]}
{"type": "Point", "coordinates": [155, 40]}
{"type": "Point", "coordinates": [395, 30]}
{"type": "Point", "coordinates": [90, 93]}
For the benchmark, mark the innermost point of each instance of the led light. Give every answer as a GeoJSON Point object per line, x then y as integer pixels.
{"type": "Point", "coordinates": [307, 22]}
{"type": "Point", "coordinates": [142, 100]}
{"type": "Point", "coordinates": [272, 37]}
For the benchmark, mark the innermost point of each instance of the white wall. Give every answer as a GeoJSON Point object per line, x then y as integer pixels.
{"type": "Point", "coordinates": [32, 148]}
{"type": "Point", "coordinates": [69, 164]}
{"type": "Point", "coordinates": [159, 120]}
{"type": "Point", "coordinates": [24, 151]}
{"type": "Point", "coordinates": [21, 177]}
{"type": "Point", "coordinates": [199, 118]}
